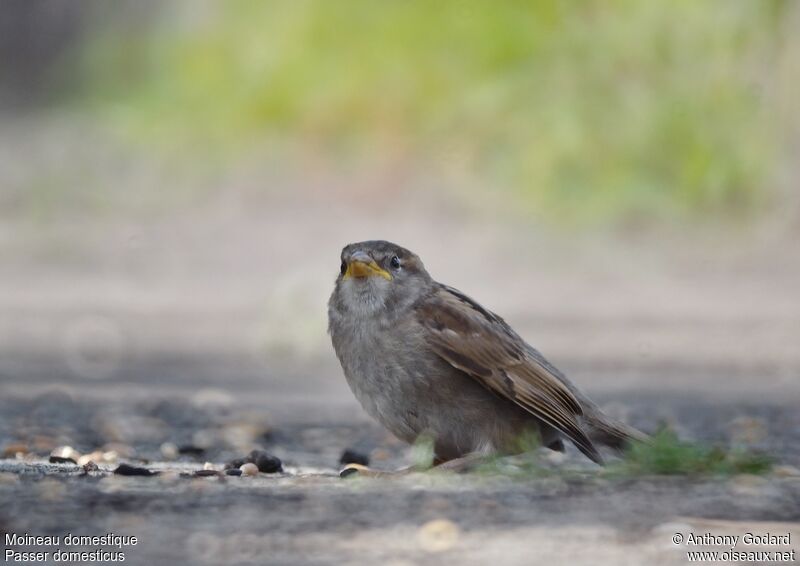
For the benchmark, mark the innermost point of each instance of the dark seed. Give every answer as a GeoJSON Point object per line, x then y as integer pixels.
{"type": "Point", "coordinates": [236, 463]}
{"type": "Point", "coordinates": [206, 473]}
{"type": "Point", "coordinates": [350, 456]}
{"type": "Point", "coordinates": [61, 460]}
{"type": "Point", "coordinates": [266, 462]}
{"type": "Point", "coordinates": [233, 472]}
{"type": "Point", "coordinates": [191, 450]}
{"type": "Point", "coordinates": [348, 472]}
{"type": "Point", "coordinates": [128, 470]}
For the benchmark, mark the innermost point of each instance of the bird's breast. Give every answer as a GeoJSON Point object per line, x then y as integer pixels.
{"type": "Point", "coordinates": [389, 372]}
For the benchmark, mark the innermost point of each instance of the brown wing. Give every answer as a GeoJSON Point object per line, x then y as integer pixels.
{"type": "Point", "coordinates": [483, 346]}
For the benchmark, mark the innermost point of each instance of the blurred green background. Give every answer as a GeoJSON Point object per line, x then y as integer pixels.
{"type": "Point", "coordinates": [572, 113]}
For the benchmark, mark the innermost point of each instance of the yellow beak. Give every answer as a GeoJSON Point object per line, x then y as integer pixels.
{"type": "Point", "coordinates": [360, 269]}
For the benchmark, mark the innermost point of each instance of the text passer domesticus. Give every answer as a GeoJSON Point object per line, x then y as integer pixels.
{"type": "Point", "coordinates": [423, 358]}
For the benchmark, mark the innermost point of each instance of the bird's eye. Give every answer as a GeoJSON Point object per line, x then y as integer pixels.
{"type": "Point", "coordinates": [395, 262]}
{"type": "Point", "coordinates": [343, 268]}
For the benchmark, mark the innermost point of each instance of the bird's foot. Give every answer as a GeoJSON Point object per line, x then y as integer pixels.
{"type": "Point", "coordinates": [463, 464]}
{"type": "Point", "coordinates": [353, 470]}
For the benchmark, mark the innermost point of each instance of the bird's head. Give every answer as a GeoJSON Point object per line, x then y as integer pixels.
{"type": "Point", "coordinates": [378, 276]}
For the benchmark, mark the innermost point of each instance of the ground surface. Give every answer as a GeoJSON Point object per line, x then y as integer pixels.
{"type": "Point", "coordinates": [205, 330]}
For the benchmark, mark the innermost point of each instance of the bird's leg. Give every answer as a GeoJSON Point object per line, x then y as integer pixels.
{"type": "Point", "coordinates": [458, 465]}
{"type": "Point", "coordinates": [366, 472]}
{"type": "Point", "coordinates": [462, 464]}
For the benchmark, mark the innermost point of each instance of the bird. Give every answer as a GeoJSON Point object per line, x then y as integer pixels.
{"type": "Point", "coordinates": [423, 358]}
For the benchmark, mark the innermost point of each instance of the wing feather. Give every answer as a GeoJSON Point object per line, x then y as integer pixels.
{"type": "Point", "coordinates": [482, 345]}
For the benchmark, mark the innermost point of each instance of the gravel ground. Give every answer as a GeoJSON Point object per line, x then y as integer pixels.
{"type": "Point", "coordinates": [308, 515]}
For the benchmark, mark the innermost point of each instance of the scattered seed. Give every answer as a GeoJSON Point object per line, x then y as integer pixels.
{"type": "Point", "coordinates": [64, 454]}
{"type": "Point", "coordinates": [233, 472]}
{"type": "Point", "coordinates": [128, 470]}
{"type": "Point", "coordinates": [249, 469]}
{"type": "Point", "coordinates": [351, 456]}
{"type": "Point", "coordinates": [206, 473]}
{"type": "Point", "coordinates": [266, 462]}
{"type": "Point", "coordinates": [61, 460]}
{"type": "Point", "coordinates": [191, 450]}
{"type": "Point", "coordinates": [352, 470]}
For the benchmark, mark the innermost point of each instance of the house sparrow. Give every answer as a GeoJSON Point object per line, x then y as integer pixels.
{"type": "Point", "coordinates": [424, 358]}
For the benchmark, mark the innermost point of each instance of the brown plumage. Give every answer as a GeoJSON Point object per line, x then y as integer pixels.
{"type": "Point", "coordinates": [423, 357]}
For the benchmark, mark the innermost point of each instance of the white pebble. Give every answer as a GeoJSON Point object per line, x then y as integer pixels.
{"type": "Point", "coordinates": [66, 452]}
{"type": "Point", "coordinates": [169, 450]}
{"type": "Point", "coordinates": [249, 469]}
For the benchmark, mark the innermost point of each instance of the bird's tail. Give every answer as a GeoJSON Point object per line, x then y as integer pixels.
{"type": "Point", "coordinates": [602, 429]}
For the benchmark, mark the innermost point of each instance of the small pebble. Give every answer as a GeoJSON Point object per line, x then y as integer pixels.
{"type": "Point", "coordinates": [233, 472]}
{"type": "Point", "coordinates": [61, 460]}
{"type": "Point", "coordinates": [266, 462]}
{"type": "Point", "coordinates": [209, 466]}
{"type": "Point", "coordinates": [90, 466]}
{"type": "Point", "coordinates": [350, 456]}
{"type": "Point", "coordinates": [249, 469]}
{"type": "Point", "coordinates": [128, 470]}
{"type": "Point", "coordinates": [64, 454]}
{"type": "Point", "coordinates": [206, 473]}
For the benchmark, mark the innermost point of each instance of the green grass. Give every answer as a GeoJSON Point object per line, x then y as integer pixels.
{"type": "Point", "coordinates": [668, 455]}
{"type": "Point", "coordinates": [573, 111]}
